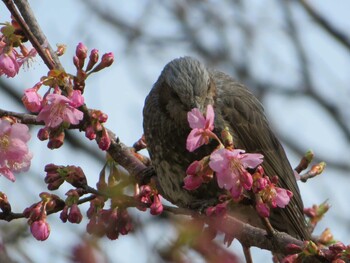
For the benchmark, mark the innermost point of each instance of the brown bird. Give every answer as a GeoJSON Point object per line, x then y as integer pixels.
{"type": "Point", "coordinates": [185, 84]}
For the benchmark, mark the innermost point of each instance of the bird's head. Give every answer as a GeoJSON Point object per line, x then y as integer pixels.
{"type": "Point", "coordinates": [185, 84]}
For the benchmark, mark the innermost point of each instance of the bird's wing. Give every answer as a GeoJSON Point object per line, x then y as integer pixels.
{"type": "Point", "coordinates": [244, 115]}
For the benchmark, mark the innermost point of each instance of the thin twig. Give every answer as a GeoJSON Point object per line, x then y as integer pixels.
{"type": "Point", "coordinates": [38, 35]}
{"type": "Point", "coordinates": [326, 25]}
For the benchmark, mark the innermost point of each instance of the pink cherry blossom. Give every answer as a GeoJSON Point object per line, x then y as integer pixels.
{"type": "Point", "coordinates": [8, 64]}
{"type": "Point", "coordinates": [40, 229]}
{"type": "Point", "coordinates": [270, 195]}
{"type": "Point", "coordinates": [283, 197]}
{"type": "Point", "coordinates": [197, 173]}
{"type": "Point", "coordinates": [201, 128]}
{"type": "Point", "coordinates": [32, 100]}
{"type": "Point", "coordinates": [62, 109]}
{"type": "Point", "coordinates": [14, 154]}
{"type": "Point", "coordinates": [230, 167]}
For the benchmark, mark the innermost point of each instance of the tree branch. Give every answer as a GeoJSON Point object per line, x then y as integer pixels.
{"type": "Point", "coordinates": [326, 25]}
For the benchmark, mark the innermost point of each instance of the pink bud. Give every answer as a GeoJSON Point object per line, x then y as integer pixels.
{"type": "Point", "coordinates": [75, 215]}
{"type": "Point", "coordinates": [263, 209]}
{"type": "Point", "coordinates": [156, 207]}
{"type": "Point", "coordinates": [81, 51]}
{"type": "Point", "coordinates": [93, 58]}
{"type": "Point", "coordinates": [107, 59]}
{"type": "Point", "coordinates": [64, 214]}
{"type": "Point", "coordinates": [105, 141]}
{"type": "Point", "coordinates": [40, 229]}
{"type": "Point", "coordinates": [90, 133]}
{"type": "Point", "coordinates": [43, 134]}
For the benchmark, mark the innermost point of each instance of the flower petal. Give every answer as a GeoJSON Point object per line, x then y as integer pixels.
{"type": "Point", "coordinates": [282, 197]}
{"type": "Point", "coordinates": [194, 140]}
{"type": "Point", "coordinates": [209, 116]}
{"type": "Point", "coordinates": [196, 119]}
{"type": "Point", "coordinates": [251, 160]}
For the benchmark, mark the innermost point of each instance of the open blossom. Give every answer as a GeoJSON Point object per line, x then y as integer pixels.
{"type": "Point", "coordinates": [14, 154]}
{"type": "Point", "coordinates": [271, 196]}
{"type": "Point", "coordinates": [230, 167]}
{"type": "Point", "coordinates": [230, 164]}
{"type": "Point", "coordinates": [61, 109]}
{"type": "Point", "coordinates": [201, 128]}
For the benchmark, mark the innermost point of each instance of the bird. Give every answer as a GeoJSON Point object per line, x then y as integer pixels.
{"type": "Point", "coordinates": [186, 83]}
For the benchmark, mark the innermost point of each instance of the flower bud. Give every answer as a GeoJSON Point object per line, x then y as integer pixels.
{"type": "Point", "coordinates": [40, 229]}
{"type": "Point", "coordinates": [93, 59]}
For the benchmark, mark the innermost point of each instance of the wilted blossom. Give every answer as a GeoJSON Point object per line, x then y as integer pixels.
{"type": "Point", "coordinates": [59, 109]}
{"type": "Point", "coordinates": [201, 128]}
{"type": "Point", "coordinates": [230, 167]}
{"type": "Point", "coordinates": [14, 154]}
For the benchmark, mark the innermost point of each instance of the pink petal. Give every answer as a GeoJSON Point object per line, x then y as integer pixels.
{"type": "Point", "coordinates": [226, 179]}
{"type": "Point", "coordinates": [236, 191]}
{"type": "Point", "coordinates": [218, 160]}
{"type": "Point", "coordinates": [7, 173]}
{"type": "Point", "coordinates": [5, 126]}
{"type": "Point", "coordinates": [20, 131]}
{"type": "Point", "coordinates": [246, 180]}
{"type": "Point", "coordinates": [251, 160]}
{"type": "Point", "coordinates": [76, 99]}
{"type": "Point", "coordinates": [16, 150]}
{"type": "Point", "coordinates": [192, 182]}
{"type": "Point", "coordinates": [196, 119]}
{"type": "Point", "coordinates": [282, 197]}
{"type": "Point", "coordinates": [209, 118]}
{"type": "Point", "coordinates": [8, 64]}
{"type": "Point", "coordinates": [194, 140]}
{"type": "Point", "coordinates": [73, 115]}
{"type": "Point", "coordinates": [193, 168]}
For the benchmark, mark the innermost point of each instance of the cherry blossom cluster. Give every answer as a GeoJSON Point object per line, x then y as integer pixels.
{"type": "Point", "coordinates": [336, 252]}
{"type": "Point", "coordinates": [231, 167]}
{"type": "Point", "coordinates": [71, 211]}
{"type": "Point", "coordinates": [37, 214]}
{"type": "Point", "coordinates": [110, 222]}
{"type": "Point", "coordinates": [149, 195]}
{"type": "Point", "coordinates": [57, 174]}
{"type": "Point", "coordinates": [59, 108]}
{"type": "Point", "coordinates": [13, 53]}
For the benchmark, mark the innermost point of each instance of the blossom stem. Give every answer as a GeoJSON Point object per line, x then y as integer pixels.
{"type": "Point", "coordinates": [215, 137]}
